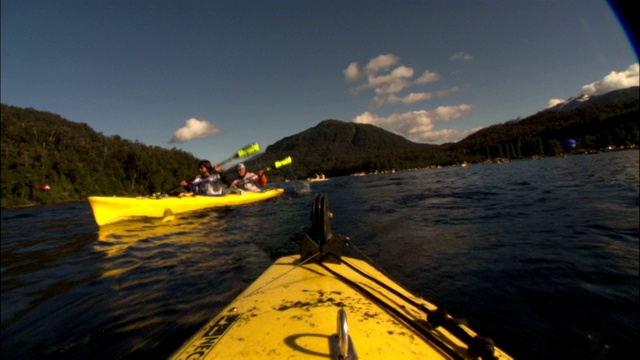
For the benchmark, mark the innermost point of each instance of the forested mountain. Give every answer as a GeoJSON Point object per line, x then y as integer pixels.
{"type": "Point", "coordinates": [594, 127]}
{"type": "Point", "coordinates": [39, 148]}
{"type": "Point", "coordinates": [586, 100]}
{"type": "Point", "coordinates": [339, 148]}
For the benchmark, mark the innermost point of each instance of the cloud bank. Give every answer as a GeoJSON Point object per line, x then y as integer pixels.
{"type": "Point", "coordinates": [388, 79]}
{"type": "Point", "coordinates": [194, 129]}
{"type": "Point", "coordinates": [419, 125]}
{"type": "Point", "coordinates": [613, 81]}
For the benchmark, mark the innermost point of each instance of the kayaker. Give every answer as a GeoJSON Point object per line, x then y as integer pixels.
{"type": "Point", "coordinates": [262, 178]}
{"type": "Point", "coordinates": [208, 182]}
{"type": "Point", "coordinates": [246, 180]}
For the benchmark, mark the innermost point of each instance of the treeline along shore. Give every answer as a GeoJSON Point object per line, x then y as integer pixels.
{"type": "Point", "coordinates": [47, 159]}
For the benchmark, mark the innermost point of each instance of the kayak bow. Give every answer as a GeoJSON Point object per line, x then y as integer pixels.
{"type": "Point", "coordinates": [322, 304]}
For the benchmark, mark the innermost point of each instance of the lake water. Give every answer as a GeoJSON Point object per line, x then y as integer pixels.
{"type": "Point", "coordinates": [541, 256]}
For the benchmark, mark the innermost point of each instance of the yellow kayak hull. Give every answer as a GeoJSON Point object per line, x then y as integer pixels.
{"type": "Point", "coordinates": [108, 210]}
{"type": "Point", "coordinates": [291, 311]}
{"type": "Point", "coordinates": [317, 180]}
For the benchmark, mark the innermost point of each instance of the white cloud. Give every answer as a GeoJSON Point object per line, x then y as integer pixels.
{"type": "Point", "coordinates": [446, 92]}
{"type": "Point", "coordinates": [444, 136]}
{"type": "Point", "coordinates": [411, 98]}
{"type": "Point", "coordinates": [365, 118]}
{"type": "Point", "coordinates": [391, 83]}
{"type": "Point", "coordinates": [381, 62]}
{"type": "Point", "coordinates": [194, 129]}
{"type": "Point", "coordinates": [419, 125]}
{"type": "Point", "coordinates": [352, 73]}
{"type": "Point", "coordinates": [462, 56]}
{"type": "Point", "coordinates": [448, 113]}
{"type": "Point", "coordinates": [387, 84]}
{"type": "Point", "coordinates": [427, 77]}
{"type": "Point", "coordinates": [554, 102]}
{"type": "Point", "coordinates": [613, 81]}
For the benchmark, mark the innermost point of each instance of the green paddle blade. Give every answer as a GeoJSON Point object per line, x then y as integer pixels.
{"type": "Point", "coordinates": [245, 151]}
{"type": "Point", "coordinates": [283, 162]}
{"type": "Point", "coordinates": [248, 150]}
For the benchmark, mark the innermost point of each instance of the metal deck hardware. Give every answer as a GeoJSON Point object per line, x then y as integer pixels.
{"type": "Point", "coordinates": [341, 344]}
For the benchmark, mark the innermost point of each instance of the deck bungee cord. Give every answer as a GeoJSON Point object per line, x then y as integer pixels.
{"type": "Point", "coordinates": [327, 242]}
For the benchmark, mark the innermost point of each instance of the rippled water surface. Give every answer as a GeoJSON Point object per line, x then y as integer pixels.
{"type": "Point", "coordinates": [541, 256]}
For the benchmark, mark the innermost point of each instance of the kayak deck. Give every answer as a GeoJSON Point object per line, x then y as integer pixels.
{"type": "Point", "coordinates": [108, 210]}
{"type": "Point", "coordinates": [291, 311]}
{"type": "Point", "coordinates": [322, 304]}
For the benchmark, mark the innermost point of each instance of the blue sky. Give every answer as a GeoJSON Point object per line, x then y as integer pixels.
{"type": "Point", "coordinates": [210, 77]}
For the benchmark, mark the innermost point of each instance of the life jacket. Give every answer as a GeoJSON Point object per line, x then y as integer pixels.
{"type": "Point", "coordinates": [248, 182]}
{"type": "Point", "coordinates": [207, 185]}
{"type": "Point", "coordinates": [262, 180]}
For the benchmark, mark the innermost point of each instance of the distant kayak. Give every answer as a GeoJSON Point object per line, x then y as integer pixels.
{"type": "Point", "coordinates": [320, 304]}
{"type": "Point", "coordinates": [110, 209]}
{"type": "Point", "coordinates": [317, 180]}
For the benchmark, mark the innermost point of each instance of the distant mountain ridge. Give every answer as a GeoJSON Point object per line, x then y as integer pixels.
{"type": "Point", "coordinates": [344, 147]}
{"type": "Point", "coordinates": [586, 100]}
{"type": "Point", "coordinates": [40, 148]}
{"type": "Point", "coordinates": [340, 148]}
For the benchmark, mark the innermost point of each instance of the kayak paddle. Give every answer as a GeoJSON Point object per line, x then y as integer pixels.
{"type": "Point", "coordinates": [245, 151]}
{"type": "Point", "coordinates": [284, 162]}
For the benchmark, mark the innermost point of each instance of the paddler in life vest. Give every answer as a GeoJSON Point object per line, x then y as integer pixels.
{"type": "Point", "coordinates": [262, 178]}
{"type": "Point", "coordinates": [246, 180]}
{"type": "Point", "coordinates": [208, 182]}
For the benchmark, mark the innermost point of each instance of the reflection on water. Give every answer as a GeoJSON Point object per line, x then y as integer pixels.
{"type": "Point", "coordinates": [117, 237]}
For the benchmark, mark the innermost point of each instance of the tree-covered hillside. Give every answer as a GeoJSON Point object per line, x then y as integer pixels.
{"type": "Point", "coordinates": [340, 148]}
{"type": "Point", "coordinates": [594, 127]}
{"type": "Point", "coordinates": [40, 148]}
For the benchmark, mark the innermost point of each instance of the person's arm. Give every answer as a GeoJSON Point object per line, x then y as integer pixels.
{"type": "Point", "coordinates": [251, 182]}
{"type": "Point", "coordinates": [185, 185]}
{"type": "Point", "coordinates": [190, 187]}
{"type": "Point", "coordinates": [223, 176]}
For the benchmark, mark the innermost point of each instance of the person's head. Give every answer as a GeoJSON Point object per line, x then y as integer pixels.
{"type": "Point", "coordinates": [205, 166]}
{"type": "Point", "coordinates": [240, 169]}
{"type": "Point", "coordinates": [260, 172]}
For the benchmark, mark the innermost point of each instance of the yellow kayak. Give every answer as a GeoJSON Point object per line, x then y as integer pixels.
{"type": "Point", "coordinates": [317, 180]}
{"type": "Point", "coordinates": [320, 304]}
{"type": "Point", "coordinates": [108, 209]}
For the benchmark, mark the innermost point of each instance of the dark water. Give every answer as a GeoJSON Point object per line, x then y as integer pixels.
{"type": "Point", "coordinates": [541, 256]}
